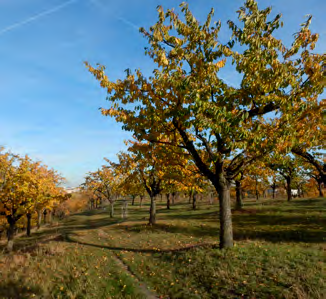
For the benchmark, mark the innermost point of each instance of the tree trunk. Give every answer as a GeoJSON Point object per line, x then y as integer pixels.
{"type": "Point", "coordinates": [273, 188]}
{"type": "Point", "coordinates": [10, 233]}
{"type": "Point", "coordinates": [320, 189]}
{"type": "Point", "coordinates": [141, 200]}
{"type": "Point", "coordinates": [44, 216]}
{"type": "Point", "coordinates": [111, 209]}
{"type": "Point", "coordinates": [299, 191]}
{"type": "Point", "coordinates": [50, 217]}
{"type": "Point", "coordinates": [238, 204]}
{"type": "Point", "coordinates": [168, 201]}
{"type": "Point", "coordinates": [152, 211]}
{"type": "Point", "coordinates": [39, 219]}
{"type": "Point", "coordinates": [133, 200]}
{"type": "Point", "coordinates": [194, 199]}
{"type": "Point", "coordinates": [124, 209]}
{"type": "Point", "coordinates": [190, 195]}
{"type": "Point", "coordinates": [173, 197]}
{"type": "Point", "coordinates": [28, 230]}
{"type": "Point", "coordinates": [256, 188]}
{"type": "Point", "coordinates": [288, 188]}
{"type": "Point", "coordinates": [226, 232]}
{"type": "Point", "coordinates": [257, 193]}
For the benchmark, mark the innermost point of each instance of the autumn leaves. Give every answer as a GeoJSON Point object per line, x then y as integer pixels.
{"type": "Point", "coordinates": [221, 128]}
{"type": "Point", "coordinates": [27, 188]}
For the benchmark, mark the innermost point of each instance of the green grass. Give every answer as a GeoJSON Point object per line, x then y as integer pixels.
{"type": "Point", "coordinates": [278, 253]}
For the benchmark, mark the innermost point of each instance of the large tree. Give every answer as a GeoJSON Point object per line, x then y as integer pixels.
{"type": "Point", "coordinates": [223, 127]}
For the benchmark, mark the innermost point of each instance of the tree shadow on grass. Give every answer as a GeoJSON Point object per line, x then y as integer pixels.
{"type": "Point", "coordinates": [69, 239]}
{"type": "Point", "coordinates": [247, 227]}
{"type": "Point", "coordinates": [65, 228]}
{"type": "Point", "coordinates": [17, 290]}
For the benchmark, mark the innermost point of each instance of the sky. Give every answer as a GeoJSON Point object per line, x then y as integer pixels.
{"type": "Point", "coordinates": [50, 102]}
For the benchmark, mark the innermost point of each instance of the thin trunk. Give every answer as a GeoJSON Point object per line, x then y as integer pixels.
{"type": "Point", "coordinates": [133, 200]}
{"type": "Point", "coordinates": [273, 188]}
{"type": "Point", "coordinates": [10, 233]}
{"type": "Point", "coordinates": [173, 197]}
{"type": "Point", "coordinates": [44, 216]}
{"type": "Point", "coordinates": [226, 231]}
{"type": "Point", "coordinates": [124, 209]}
{"type": "Point", "coordinates": [190, 195]}
{"type": "Point", "coordinates": [194, 198]}
{"type": "Point", "coordinates": [28, 230]}
{"type": "Point", "coordinates": [320, 189]}
{"type": "Point", "coordinates": [141, 200]}
{"type": "Point", "coordinates": [39, 219]}
{"type": "Point", "coordinates": [299, 191]}
{"type": "Point", "coordinates": [257, 193]}
{"type": "Point", "coordinates": [288, 188]}
{"type": "Point", "coordinates": [50, 217]}
{"type": "Point", "coordinates": [239, 204]}
{"type": "Point", "coordinates": [256, 189]}
{"type": "Point", "coordinates": [152, 211]}
{"type": "Point", "coordinates": [168, 201]}
{"type": "Point", "coordinates": [111, 209]}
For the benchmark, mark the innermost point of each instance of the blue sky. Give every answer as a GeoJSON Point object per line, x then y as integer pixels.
{"type": "Point", "coordinates": [49, 102]}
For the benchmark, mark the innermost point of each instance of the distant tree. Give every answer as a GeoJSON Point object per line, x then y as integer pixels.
{"type": "Point", "coordinates": [25, 185]}
{"type": "Point", "coordinates": [102, 184]}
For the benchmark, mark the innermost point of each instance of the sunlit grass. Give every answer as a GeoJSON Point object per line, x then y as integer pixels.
{"type": "Point", "coordinates": [278, 253]}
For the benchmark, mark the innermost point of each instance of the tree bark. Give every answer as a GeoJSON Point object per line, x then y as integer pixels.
{"type": "Point", "coordinates": [39, 219]}
{"type": "Point", "coordinates": [11, 233]}
{"type": "Point", "coordinates": [190, 195]}
{"type": "Point", "coordinates": [194, 199]}
{"type": "Point", "coordinates": [226, 231]}
{"type": "Point", "coordinates": [168, 201]}
{"type": "Point", "coordinates": [50, 217]}
{"type": "Point", "coordinates": [274, 189]}
{"type": "Point", "coordinates": [257, 194]}
{"type": "Point", "coordinates": [28, 229]}
{"type": "Point", "coordinates": [256, 188]}
{"type": "Point", "coordinates": [44, 216]}
{"type": "Point", "coordinates": [133, 200]}
{"type": "Point", "coordinates": [288, 188]}
{"type": "Point", "coordinates": [111, 209]}
{"type": "Point", "coordinates": [173, 198]}
{"type": "Point", "coordinates": [320, 189]}
{"type": "Point", "coordinates": [152, 211]}
{"type": "Point", "coordinates": [239, 204]}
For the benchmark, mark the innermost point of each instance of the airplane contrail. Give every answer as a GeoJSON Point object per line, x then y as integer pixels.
{"type": "Point", "coordinates": [127, 22]}
{"type": "Point", "coordinates": [37, 16]}
{"type": "Point", "coordinates": [121, 19]}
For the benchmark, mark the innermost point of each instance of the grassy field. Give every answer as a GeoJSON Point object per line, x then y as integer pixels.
{"type": "Point", "coordinates": [279, 253]}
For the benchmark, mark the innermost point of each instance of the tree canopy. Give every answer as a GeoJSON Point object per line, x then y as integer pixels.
{"type": "Point", "coordinates": [224, 128]}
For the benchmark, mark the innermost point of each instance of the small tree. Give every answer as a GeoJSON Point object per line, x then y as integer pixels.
{"type": "Point", "coordinates": [102, 184]}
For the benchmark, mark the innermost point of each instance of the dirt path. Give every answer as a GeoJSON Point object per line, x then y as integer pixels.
{"type": "Point", "coordinates": [141, 285]}
{"type": "Point", "coordinates": [138, 281]}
